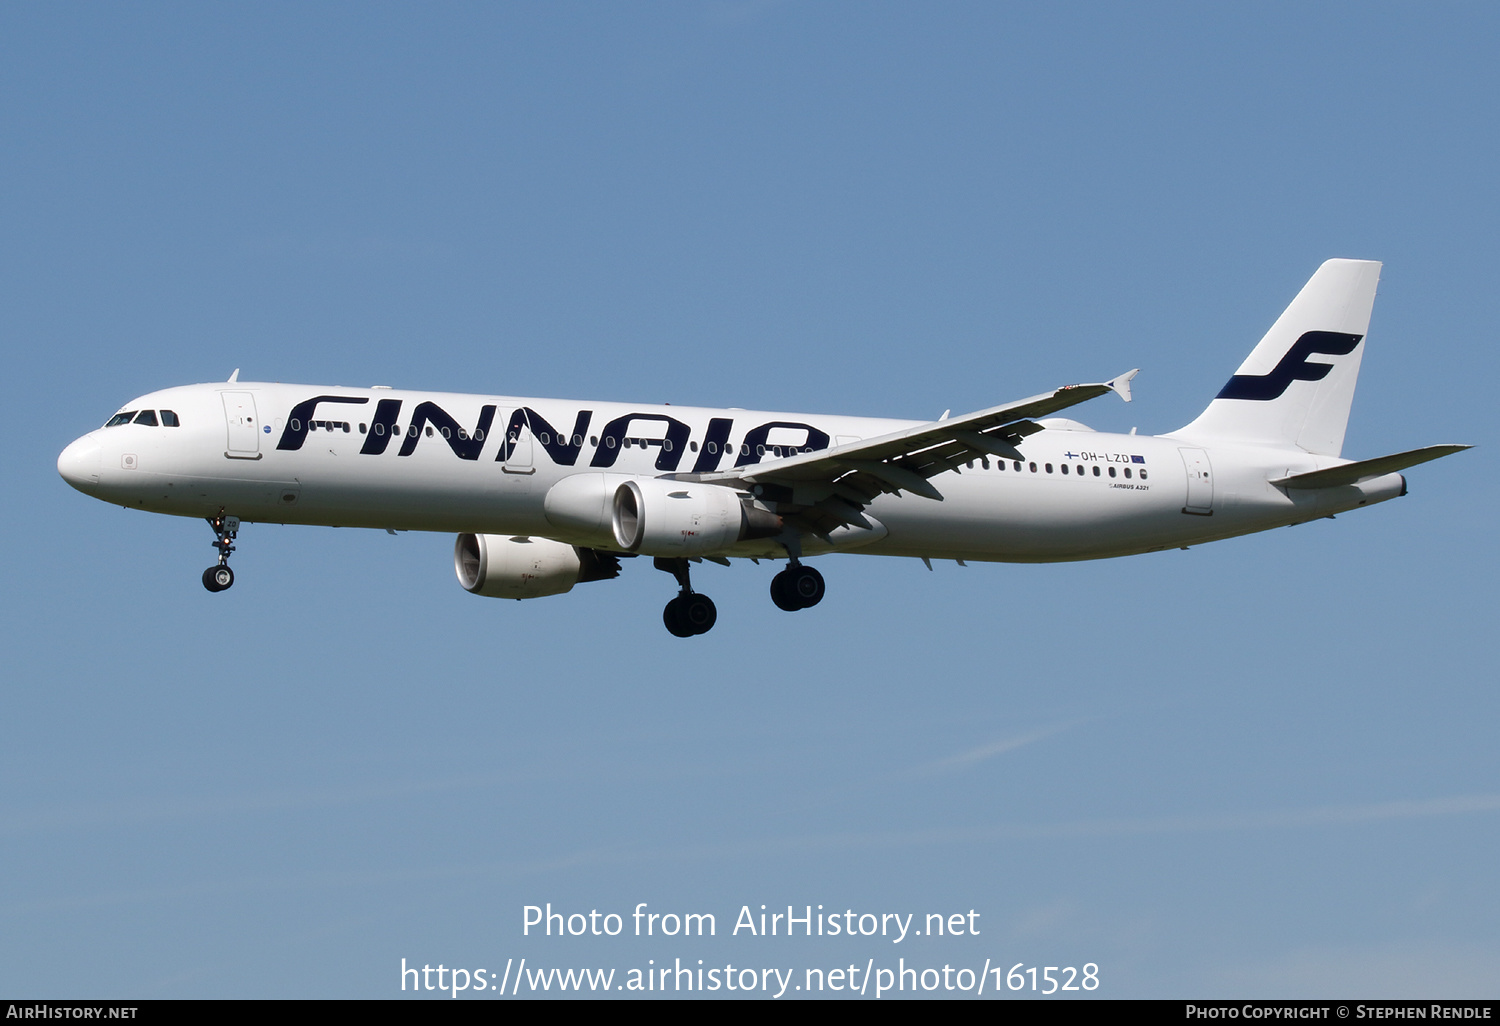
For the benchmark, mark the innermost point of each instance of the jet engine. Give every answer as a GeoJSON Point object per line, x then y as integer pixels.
{"type": "Point", "coordinates": [519, 567]}
{"type": "Point", "coordinates": [660, 517]}
{"type": "Point", "coordinates": [655, 516]}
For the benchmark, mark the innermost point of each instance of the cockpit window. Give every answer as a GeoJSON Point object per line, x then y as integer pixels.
{"type": "Point", "coordinates": [146, 417]}
{"type": "Point", "coordinates": [121, 418]}
{"type": "Point", "coordinates": [169, 419]}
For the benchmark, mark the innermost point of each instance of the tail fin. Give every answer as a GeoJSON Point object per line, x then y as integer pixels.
{"type": "Point", "coordinates": [1295, 388]}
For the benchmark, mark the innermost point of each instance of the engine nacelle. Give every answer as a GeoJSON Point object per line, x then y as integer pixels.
{"type": "Point", "coordinates": [579, 506]}
{"type": "Point", "coordinates": [519, 567]}
{"type": "Point", "coordinates": [660, 517]}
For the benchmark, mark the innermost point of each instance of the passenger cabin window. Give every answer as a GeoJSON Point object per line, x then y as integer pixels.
{"type": "Point", "coordinates": [121, 418]}
{"type": "Point", "coordinates": [169, 419]}
{"type": "Point", "coordinates": [146, 418]}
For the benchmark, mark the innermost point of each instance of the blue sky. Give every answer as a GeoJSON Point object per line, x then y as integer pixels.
{"type": "Point", "coordinates": [1261, 767]}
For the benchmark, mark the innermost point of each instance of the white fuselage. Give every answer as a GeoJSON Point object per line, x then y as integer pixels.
{"type": "Point", "coordinates": [379, 458]}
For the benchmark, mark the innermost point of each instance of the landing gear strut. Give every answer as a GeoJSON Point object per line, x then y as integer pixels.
{"type": "Point", "coordinates": [219, 577]}
{"type": "Point", "coordinates": [797, 587]}
{"type": "Point", "coordinates": [689, 613]}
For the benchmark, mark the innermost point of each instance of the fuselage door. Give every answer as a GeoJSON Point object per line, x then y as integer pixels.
{"type": "Point", "coordinates": [1200, 486]}
{"type": "Point", "coordinates": [518, 440]}
{"type": "Point", "coordinates": [244, 426]}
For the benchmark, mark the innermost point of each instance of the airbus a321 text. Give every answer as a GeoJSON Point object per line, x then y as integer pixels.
{"type": "Point", "coordinates": [545, 494]}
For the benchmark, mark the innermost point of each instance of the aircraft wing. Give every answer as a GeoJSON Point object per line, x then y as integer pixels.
{"type": "Point", "coordinates": [827, 489]}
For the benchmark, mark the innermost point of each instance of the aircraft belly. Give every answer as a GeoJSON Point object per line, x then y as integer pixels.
{"type": "Point", "coordinates": [1021, 519]}
{"type": "Point", "coordinates": [341, 489]}
{"type": "Point", "coordinates": [470, 498]}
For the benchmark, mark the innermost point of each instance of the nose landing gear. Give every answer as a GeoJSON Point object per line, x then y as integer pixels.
{"type": "Point", "coordinates": [689, 613]}
{"type": "Point", "coordinates": [219, 577]}
{"type": "Point", "coordinates": [797, 587]}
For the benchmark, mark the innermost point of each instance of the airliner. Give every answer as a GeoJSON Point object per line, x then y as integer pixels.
{"type": "Point", "coordinates": [545, 494]}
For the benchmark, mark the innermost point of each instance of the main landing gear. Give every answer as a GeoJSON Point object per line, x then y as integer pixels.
{"type": "Point", "coordinates": [219, 577]}
{"type": "Point", "coordinates": [689, 613]}
{"type": "Point", "coordinates": [797, 587]}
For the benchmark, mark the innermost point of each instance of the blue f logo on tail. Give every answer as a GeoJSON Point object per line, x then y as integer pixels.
{"type": "Point", "coordinates": [1292, 367]}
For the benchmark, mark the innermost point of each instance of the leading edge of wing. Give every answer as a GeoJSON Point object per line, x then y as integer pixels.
{"type": "Point", "coordinates": [905, 459]}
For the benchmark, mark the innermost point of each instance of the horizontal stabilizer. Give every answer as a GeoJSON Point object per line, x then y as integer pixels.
{"type": "Point", "coordinates": [1350, 473]}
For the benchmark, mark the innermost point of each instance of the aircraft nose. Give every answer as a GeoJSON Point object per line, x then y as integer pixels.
{"type": "Point", "coordinates": [79, 464]}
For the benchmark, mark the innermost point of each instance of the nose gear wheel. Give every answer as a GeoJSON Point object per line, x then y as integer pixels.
{"type": "Point", "coordinates": [219, 577]}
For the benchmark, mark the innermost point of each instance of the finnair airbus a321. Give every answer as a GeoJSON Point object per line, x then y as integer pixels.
{"type": "Point", "coordinates": [544, 494]}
